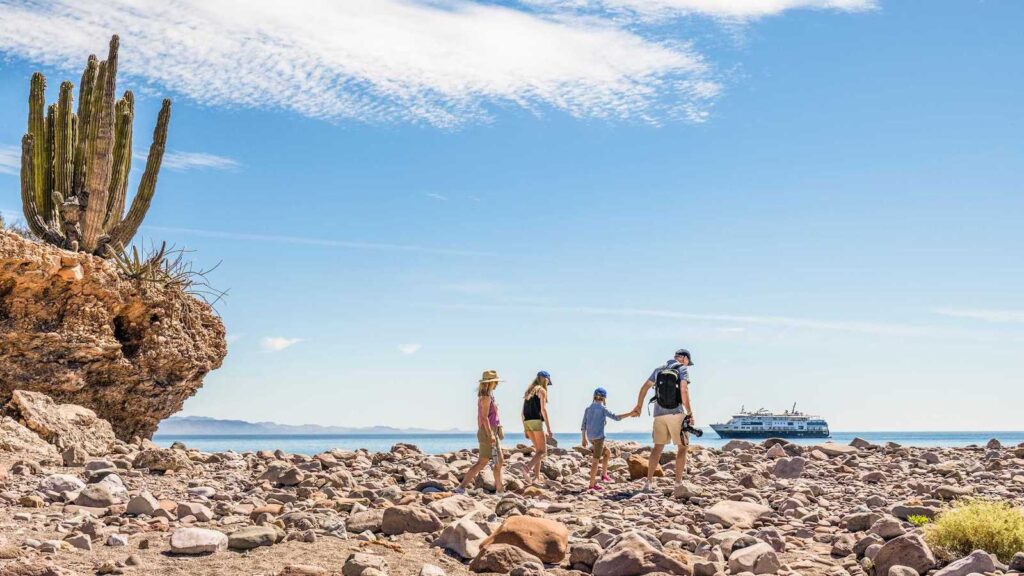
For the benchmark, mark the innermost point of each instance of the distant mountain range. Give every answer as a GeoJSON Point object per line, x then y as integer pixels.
{"type": "Point", "coordinates": [201, 425]}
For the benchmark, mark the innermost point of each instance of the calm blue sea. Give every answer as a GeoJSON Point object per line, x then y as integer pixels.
{"type": "Point", "coordinates": [439, 443]}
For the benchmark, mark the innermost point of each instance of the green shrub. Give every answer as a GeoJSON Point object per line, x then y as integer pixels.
{"type": "Point", "coordinates": [917, 520]}
{"type": "Point", "coordinates": [995, 527]}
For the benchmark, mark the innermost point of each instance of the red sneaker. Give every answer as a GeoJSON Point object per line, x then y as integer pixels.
{"type": "Point", "coordinates": [605, 478]}
{"type": "Point", "coordinates": [595, 488]}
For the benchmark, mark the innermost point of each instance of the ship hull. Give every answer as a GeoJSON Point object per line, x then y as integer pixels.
{"type": "Point", "coordinates": [771, 433]}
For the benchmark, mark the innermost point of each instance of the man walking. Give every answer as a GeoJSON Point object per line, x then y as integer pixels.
{"type": "Point", "coordinates": [671, 405]}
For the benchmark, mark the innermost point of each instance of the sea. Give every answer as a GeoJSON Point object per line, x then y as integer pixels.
{"type": "Point", "coordinates": [450, 442]}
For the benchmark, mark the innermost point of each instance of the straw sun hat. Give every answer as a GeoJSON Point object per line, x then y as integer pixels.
{"type": "Point", "coordinates": [490, 376]}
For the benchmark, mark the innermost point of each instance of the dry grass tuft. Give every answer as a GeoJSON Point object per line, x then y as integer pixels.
{"type": "Point", "coordinates": [995, 527]}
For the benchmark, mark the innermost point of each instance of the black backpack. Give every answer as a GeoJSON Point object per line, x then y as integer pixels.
{"type": "Point", "coordinates": [666, 388]}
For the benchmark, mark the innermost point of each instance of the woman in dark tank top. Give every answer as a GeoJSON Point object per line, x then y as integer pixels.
{"type": "Point", "coordinates": [535, 420]}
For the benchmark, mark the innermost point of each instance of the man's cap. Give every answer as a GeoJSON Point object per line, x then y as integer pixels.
{"type": "Point", "coordinates": [547, 375]}
{"type": "Point", "coordinates": [601, 392]}
{"type": "Point", "coordinates": [685, 352]}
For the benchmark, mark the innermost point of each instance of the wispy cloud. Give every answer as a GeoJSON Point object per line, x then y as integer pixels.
{"type": "Point", "coordinates": [10, 159]}
{"type": "Point", "coordinates": [317, 241]}
{"type": "Point", "coordinates": [409, 349]}
{"type": "Point", "coordinates": [175, 160]}
{"type": "Point", "coordinates": [278, 343]}
{"type": "Point", "coordinates": [442, 62]}
{"type": "Point", "coordinates": [985, 315]}
{"type": "Point", "coordinates": [436, 196]}
{"type": "Point", "coordinates": [720, 9]}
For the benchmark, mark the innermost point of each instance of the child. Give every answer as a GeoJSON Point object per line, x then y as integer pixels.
{"type": "Point", "coordinates": [593, 430]}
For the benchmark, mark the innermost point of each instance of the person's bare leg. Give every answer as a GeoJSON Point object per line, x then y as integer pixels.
{"type": "Point", "coordinates": [653, 461]}
{"type": "Point", "coordinates": [604, 462]}
{"type": "Point", "coordinates": [681, 462]}
{"type": "Point", "coordinates": [593, 472]}
{"type": "Point", "coordinates": [499, 463]}
{"type": "Point", "coordinates": [541, 448]}
{"type": "Point", "coordinates": [472, 472]}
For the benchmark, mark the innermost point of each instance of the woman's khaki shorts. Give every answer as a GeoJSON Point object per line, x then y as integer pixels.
{"type": "Point", "coordinates": [487, 447]}
{"type": "Point", "coordinates": [669, 427]}
{"type": "Point", "coordinates": [534, 425]}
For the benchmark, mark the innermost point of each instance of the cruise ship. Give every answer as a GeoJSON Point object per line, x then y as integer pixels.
{"type": "Point", "coordinates": [764, 424]}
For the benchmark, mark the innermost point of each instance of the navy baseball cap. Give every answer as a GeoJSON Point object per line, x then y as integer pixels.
{"type": "Point", "coordinates": [685, 352]}
{"type": "Point", "coordinates": [547, 375]}
{"type": "Point", "coordinates": [601, 392]}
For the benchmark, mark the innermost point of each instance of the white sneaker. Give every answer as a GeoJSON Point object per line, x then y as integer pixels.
{"type": "Point", "coordinates": [647, 487]}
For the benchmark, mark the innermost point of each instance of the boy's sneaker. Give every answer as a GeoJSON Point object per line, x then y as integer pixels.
{"type": "Point", "coordinates": [605, 478]}
{"type": "Point", "coordinates": [595, 488]}
{"type": "Point", "coordinates": [459, 491]}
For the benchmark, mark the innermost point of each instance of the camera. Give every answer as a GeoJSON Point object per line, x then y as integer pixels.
{"type": "Point", "coordinates": [688, 427]}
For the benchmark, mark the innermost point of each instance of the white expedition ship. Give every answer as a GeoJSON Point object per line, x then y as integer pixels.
{"type": "Point", "coordinates": [764, 424]}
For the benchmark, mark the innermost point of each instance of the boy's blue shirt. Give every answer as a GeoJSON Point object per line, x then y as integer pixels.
{"type": "Point", "coordinates": [594, 418]}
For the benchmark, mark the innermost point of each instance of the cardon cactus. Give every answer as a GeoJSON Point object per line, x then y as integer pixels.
{"type": "Point", "coordinates": [74, 166]}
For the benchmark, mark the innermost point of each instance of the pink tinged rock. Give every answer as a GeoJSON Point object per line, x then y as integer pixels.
{"type": "Point", "coordinates": [463, 537]}
{"type": "Point", "coordinates": [730, 513]}
{"type": "Point", "coordinates": [907, 550]}
{"type": "Point", "coordinates": [759, 559]}
{"type": "Point", "coordinates": [197, 541]}
{"type": "Point", "coordinates": [544, 538]}
{"type": "Point", "coordinates": [789, 467]}
{"type": "Point", "coordinates": [500, 558]}
{"type": "Point", "coordinates": [143, 504]}
{"type": "Point", "coordinates": [403, 519]}
{"type": "Point", "coordinates": [633, 555]}
{"type": "Point", "coordinates": [979, 561]}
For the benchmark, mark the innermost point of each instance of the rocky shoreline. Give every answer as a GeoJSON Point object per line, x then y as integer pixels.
{"type": "Point", "coordinates": [750, 508]}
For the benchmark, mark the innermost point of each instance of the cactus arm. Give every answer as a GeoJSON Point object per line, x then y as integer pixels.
{"type": "Point", "coordinates": [125, 230]}
{"type": "Point", "coordinates": [46, 208]}
{"type": "Point", "coordinates": [97, 179]}
{"type": "Point", "coordinates": [28, 194]}
{"type": "Point", "coordinates": [85, 90]}
{"type": "Point", "coordinates": [63, 128]}
{"type": "Point", "coordinates": [125, 114]}
{"type": "Point", "coordinates": [37, 128]}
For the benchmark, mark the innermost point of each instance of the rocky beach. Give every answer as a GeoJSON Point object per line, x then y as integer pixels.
{"type": "Point", "coordinates": [78, 500]}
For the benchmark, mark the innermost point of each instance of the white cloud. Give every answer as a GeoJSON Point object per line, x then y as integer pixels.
{"type": "Point", "coordinates": [721, 9]}
{"type": "Point", "coordinates": [442, 62]}
{"type": "Point", "coordinates": [281, 239]}
{"type": "Point", "coordinates": [409, 349]}
{"type": "Point", "coordinates": [436, 196]}
{"type": "Point", "coordinates": [278, 343]}
{"type": "Point", "coordinates": [985, 315]}
{"type": "Point", "coordinates": [10, 159]}
{"type": "Point", "coordinates": [175, 160]}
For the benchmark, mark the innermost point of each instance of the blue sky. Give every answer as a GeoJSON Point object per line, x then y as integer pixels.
{"type": "Point", "coordinates": [820, 198]}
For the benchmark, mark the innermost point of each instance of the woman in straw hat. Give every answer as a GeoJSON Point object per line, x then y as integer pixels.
{"type": "Point", "coordinates": [488, 433]}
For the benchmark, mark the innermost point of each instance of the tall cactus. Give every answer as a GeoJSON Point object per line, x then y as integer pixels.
{"type": "Point", "coordinates": [75, 166]}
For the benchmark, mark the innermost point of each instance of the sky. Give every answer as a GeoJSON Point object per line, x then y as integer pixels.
{"type": "Point", "coordinates": [821, 199]}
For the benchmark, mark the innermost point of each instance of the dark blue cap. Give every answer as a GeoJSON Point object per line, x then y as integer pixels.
{"type": "Point", "coordinates": [547, 375]}
{"type": "Point", "coordinates": [601, 392]}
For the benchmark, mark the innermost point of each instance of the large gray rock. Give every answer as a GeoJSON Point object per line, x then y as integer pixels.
{"type": "Point", "coordinates": [759, 559]}
{"type": "Point", "coordinates": [252, 537]}
{"type": "Point", "coordinates": [887, 527]}
{"type": "Point", "coordinates": [63, 425]}
{"type": "Point", "coordinates": [365, 520]}
{"type": "Point", "coordinates": [832, 450]}
{"type": "Point", "coordinates": [162, 460]}
{"type": "Point", "coordinates": [731, 513]}
{"type": "Point", "coordinates": [60, 483]}
{"type": "Point", "coordinates": [359, 563]}
{"type": "Point", "coordinates": [97, 495]}
{"type": "Point", "coordinates": [143, 504]}
{"type": "Point", "coordinates": [789, 468]}
{"type": "Point", "coordinates": [632, 555]}
{"type": "Point", "coordinates": [907, 550]}
{"type": "Point", "coordinates": [463, 537]}
{"type": "Point", "coordinates": [979, 561]}
{"type": "Point", "coordinates": [197, 541]}
{"type": "Point", "coordinates": [860, 521]}
{"type": "Point", "coordinates": [18, 440]}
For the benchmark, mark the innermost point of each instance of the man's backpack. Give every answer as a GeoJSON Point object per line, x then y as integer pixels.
{"type": "Point", "coordinates": [666, 388]}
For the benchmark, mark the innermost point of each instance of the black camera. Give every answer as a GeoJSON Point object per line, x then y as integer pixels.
{"type": "Point", "coordinates": [688, 427]}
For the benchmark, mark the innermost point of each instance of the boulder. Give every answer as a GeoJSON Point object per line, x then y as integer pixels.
{"type": "Point", "coordinates": [737, 445]}
{"type": "Point", "coordinates": [463, 537]}
{"type": "Point", "coordinates": [632, 554]}
{"type": "Point", "coordinates": [979, 561]}
{"type": "Point", "coordinates": [584, 554]}
{"type": "Point", "coordinates": [359, 563]}
{"type": "Point", "coordinates": [759, 559]}
{"type": "Point", "coordinates": [97, 495]}
{"type": "Point", "coordinates": [366, 520]}
{"type": "Point", "coordinates": [907, 550]}
{"type": "Point", "coordinates": [60, 483]}
{"type": "Point", "coordinates": [252, 537]}
{"type": "Point", "coordinates": [162, 460]}
{"type": "Point", "coordinates": [544, 538]}
{"type": "Point", "coordinates": [887, 528]}
{"type": "Point", "coordinates": [455, 506]}
{"type": "Point", "coordinates": [63, 425]}
{"type": "Point", "coordinates": [143, 504]}
{"type": "Point", "coordinates": [96, 340]}
{"type": "Point", "coordinates": [860, 521]}
{"type": "Point", "coordinates": [197, 541]}
{"type": "Point", "coordinates": [731, 513]}
{"type": "Point", "coordinates": [17, 441]}
{"type": "Point", "coordinates": [401, 519]}
{"type": "Point", "coordinates": [789, 467]}
{"type": "Point", "coordinates": [950, 492]}
{"type": "Point", "coordinates": [638, 468]}
{"type": "Point", "coordinates": [499, 558]}
{"type": "Point", "coordinates": [1017, 562]}
{"type": "Point", "coordinates": [832, 449]}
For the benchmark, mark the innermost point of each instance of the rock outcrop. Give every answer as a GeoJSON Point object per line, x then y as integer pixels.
{"type": "Point", "coordinates": [76, 330]}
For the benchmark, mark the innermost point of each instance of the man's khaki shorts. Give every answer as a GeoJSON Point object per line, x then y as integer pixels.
{"type": "Point", "coordinates": [669, 427]}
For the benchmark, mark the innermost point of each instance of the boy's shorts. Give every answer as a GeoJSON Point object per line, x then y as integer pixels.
{"type": "Point", "coordinates": [601, 445]}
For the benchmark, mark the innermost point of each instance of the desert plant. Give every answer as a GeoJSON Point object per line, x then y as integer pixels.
{"type": "Point", "coordinates": [995, 527]}
{"type": "Point", "coordinates": [168, 267]}
{"type": "Point", "coordinates": [74, 166]}
{"type": "Point", "coordinates": [918, 520]}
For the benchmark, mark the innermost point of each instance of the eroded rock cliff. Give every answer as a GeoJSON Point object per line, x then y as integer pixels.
{"type": "Point", "coordinates": [73, 328]}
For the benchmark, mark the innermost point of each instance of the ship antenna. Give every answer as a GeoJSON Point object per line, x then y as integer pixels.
{"type": "Point", "coordinates": [794, 407]}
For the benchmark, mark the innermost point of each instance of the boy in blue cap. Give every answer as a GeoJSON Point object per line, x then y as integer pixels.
{"type": "Point", "coordinates": [592, 430]}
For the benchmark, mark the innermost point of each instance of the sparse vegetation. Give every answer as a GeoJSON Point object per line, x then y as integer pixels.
{"type": "Point", "coordinates": [917, 520]}
{"type": "Point", "coordinates": [993, 526]}
{"type": "Point", "coordinates": [168, 267]}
